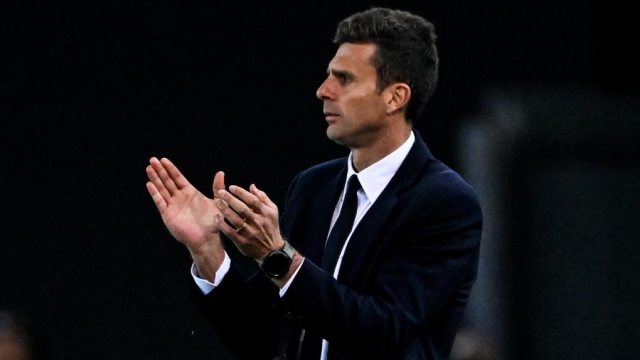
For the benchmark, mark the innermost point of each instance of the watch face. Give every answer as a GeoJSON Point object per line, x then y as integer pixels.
{"type": "Point", "coordinates": [277, 264]}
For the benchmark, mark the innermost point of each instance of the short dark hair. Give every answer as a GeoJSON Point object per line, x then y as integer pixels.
{"type": "Point", "coordinates": [405, 50]}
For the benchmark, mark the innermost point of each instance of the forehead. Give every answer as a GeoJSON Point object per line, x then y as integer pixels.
{"type": "Point", "coordinates": [353, 57]}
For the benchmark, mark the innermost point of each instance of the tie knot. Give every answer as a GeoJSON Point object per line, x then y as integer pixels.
{"type": "Point", "coordinates": [353, 185]}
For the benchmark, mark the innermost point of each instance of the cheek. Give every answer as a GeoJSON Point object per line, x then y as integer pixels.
{"type": "Point", "coordinates": [370, 107]}
{"type": "Point", "coordinates": [362, 105]}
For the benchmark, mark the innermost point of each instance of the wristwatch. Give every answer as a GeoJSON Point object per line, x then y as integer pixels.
{"type": "Point", "coordinates": [276, 264]}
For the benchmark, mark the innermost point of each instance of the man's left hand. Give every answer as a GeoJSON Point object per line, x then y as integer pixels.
{"type": "Point", "coordinates": [255, 217]}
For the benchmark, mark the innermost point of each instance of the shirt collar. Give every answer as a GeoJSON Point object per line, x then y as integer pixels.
{"type": "Point", "coordinates": [376, 177]}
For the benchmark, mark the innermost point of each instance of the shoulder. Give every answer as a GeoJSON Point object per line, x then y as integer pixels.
{"type": "Point", "coordinates": [326, 168]}
{"type": "Point", "coordinates": [442, 178]}
{"type": "Point", "coordinates": [439, 189]}
{"type": "Point", "coordinates": [321, 173]}
{"type": "Point", "coordinates": [316, 179]}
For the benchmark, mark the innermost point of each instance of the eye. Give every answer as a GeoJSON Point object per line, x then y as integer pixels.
{"type": "Point", "coordinates": [343, 78]}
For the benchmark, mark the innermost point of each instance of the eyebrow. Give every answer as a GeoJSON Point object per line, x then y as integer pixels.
{"type": "Point", "coordinates": [344, 73]}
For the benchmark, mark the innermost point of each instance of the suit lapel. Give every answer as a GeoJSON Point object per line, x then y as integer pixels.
{"type": "Point", "coordinates": [323, 205]}
{"type": "Point", "coordinates": [367, 236]}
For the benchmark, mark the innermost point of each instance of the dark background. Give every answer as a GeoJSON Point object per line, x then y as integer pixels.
{"type": "Point", "coordinates": [89, 92]}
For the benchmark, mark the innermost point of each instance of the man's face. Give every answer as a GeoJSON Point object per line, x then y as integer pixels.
{"type": "Point", "coordinates": [353, 108]}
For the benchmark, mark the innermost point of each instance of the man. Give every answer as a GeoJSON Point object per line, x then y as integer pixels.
{"type": "Point", "coordinates": [377, 265]}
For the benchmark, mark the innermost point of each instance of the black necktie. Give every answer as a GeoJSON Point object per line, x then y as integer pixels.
{"type": "Point", "coordinates": [343, 225]}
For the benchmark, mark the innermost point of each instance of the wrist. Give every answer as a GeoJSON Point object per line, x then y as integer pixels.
{"type": "Point", "coordinates": [295, 264]}
{"type": "Point", "coordinates": [208, 258]}
{"type": "Point", "coordinates": [278, 262]}
{"type": "Point", "coordinates": [211, 245]}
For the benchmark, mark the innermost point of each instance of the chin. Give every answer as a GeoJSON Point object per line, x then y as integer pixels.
{"type": "Point", "coordinates": [333, 135]}
{"type": "Point", "coordinates": [340, 140]}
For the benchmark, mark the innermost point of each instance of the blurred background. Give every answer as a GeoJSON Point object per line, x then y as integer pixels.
{"type": "Point", "coordinates": [537, 107]}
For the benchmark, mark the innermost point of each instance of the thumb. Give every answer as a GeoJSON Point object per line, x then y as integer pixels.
{"type": "Point", "coordinates": [218, 183]}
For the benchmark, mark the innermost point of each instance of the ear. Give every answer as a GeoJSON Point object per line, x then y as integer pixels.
{"type": "Point", "coordinates": [398, 95]}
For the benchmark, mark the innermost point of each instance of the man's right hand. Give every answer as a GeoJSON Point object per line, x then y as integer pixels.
{"type": "Point", "coordinates": [188, 214]}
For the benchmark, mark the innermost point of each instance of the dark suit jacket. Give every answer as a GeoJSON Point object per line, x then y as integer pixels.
{"type": "Point", "coordinates": [404, 280]}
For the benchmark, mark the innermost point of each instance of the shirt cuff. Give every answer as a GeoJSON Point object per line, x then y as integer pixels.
{"type": "Point", "coordinates": [206, 286]}
{"type": "Point", "coordinates": [286, 286]}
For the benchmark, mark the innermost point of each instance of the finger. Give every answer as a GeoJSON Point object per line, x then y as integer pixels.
{"type": "Point", "coordinates": [230, 231]}
{"type": "Point", "coordinates": [232, 216]}
{"type": "Point", "coordinates": [161, 204]}
{"type": "Point", "coordinates": [236, 204]}
{"type": "Point", "coordinates": [247, 198]}
{"type": "Point", "coordinates": [218, 183]}
{"type": "Point", "coordinates": [163, 175]}
{"type": "Point", "coordinates": [155, 180]}
{"type": "Point", "coordinates": [262, 196]}
{"type": "Point", "coordinates": [175, 174]}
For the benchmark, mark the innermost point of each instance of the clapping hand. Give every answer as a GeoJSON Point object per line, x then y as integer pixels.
{"type": "Point", "coordinates": [189, 215]}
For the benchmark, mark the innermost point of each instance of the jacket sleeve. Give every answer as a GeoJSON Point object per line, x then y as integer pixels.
{"type": "Point", "coordinates": [241, 315]}
{"type": "Point", "coordinates": [241, 312]}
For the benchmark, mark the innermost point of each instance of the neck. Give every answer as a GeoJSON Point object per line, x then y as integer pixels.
{"type": "Point", "coordinates": [365, 156]}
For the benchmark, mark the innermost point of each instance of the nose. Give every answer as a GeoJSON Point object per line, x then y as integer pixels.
{"type": "Point", "coordinates": [324, 92]}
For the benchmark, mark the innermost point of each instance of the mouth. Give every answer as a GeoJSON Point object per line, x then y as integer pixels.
{"type": "Point", "coordinates": [328, 115]}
